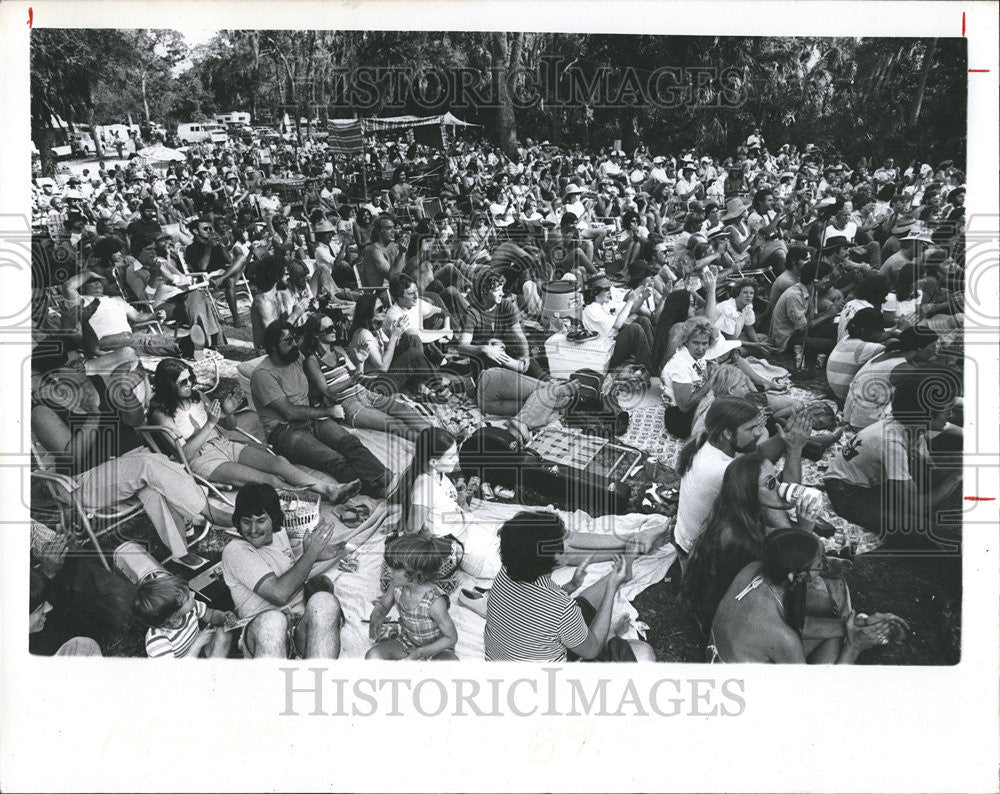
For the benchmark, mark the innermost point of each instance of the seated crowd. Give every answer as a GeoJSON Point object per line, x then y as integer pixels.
{"type": "Point", "coordinates": [722, 281]}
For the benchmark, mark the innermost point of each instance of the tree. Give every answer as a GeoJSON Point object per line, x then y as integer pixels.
{"type": "Point", "coordinates": [66, 65]}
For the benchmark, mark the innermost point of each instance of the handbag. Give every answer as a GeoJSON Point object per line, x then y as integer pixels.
{"type": "Point", "coordinates": [595, 409]}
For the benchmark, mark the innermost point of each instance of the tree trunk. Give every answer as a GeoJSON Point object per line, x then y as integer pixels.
{"type": "Point", "coordinates": [506, 58]}
{"type": "Point", "coordinates": [93, 134]}
{"type": "Point", "coordinates": [922, 85]}
{"type": "Point", "coordinates": [145, 102]}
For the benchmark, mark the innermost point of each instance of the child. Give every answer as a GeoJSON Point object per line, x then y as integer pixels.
{"type": "Point", "coordinates": [426, 630]}
{"type": "Point", "coordinates": [167, 605]}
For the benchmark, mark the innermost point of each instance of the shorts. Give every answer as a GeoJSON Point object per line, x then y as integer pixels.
{"type": "Point", "coordinates": [293, 623]}
{"type": "Point", "coordinates": [616, 649]}
{"type": "Point", "coordinates": [214, 453]}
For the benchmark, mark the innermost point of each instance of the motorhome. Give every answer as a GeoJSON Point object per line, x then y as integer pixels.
{"type": "Point", "coordinates": [238, 117]}
{"type": "Point", "coordinates": [200, 132]}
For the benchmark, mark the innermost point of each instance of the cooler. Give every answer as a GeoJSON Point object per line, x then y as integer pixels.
{"type": "Point", "coordinates": [567, 357]}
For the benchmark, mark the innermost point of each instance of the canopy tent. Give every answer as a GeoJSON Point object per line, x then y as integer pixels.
{"type": "Point", "coordinates": [398, 123]}
{"type": "Point", "coordinates": [161, 154]}
{"type": "Point", "coordinates": [346, 134]}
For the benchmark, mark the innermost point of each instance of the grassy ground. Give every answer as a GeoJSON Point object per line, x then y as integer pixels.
{"type": "Point", "coordinates": [925, 591]}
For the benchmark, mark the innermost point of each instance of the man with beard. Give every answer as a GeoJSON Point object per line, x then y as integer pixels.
{"type": "Point", "coordinates": [304, 434]}
{"type": "Point", "coordinates": [733, 427]}
{"type": "Point", "coordinates": [147, 226]}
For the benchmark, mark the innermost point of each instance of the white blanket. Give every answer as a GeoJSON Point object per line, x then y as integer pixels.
{"type": "Point", "coordinates": [357, 590]}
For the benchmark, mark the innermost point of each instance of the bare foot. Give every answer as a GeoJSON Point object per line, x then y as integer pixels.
{"type": "Point", "coordinates": [633, 549]}
{"type": "Point", "coordinates": [646, 540]}
{"type": "Point", "coordinates": [335, 494]}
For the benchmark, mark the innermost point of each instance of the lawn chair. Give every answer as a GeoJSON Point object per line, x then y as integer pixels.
{"type": "Point", "coordinates": [166, 441]}
{"type": "Point", "coordinates": [91, 524]}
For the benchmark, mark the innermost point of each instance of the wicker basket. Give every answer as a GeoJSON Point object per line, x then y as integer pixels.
{"type": "Point", "coordinates": [301, 509]}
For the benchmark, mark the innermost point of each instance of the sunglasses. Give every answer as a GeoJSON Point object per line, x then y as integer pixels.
{"type": "Point", "coordinates": [185, 381]}
{"type": "Point", "coordinates": [327, 329]}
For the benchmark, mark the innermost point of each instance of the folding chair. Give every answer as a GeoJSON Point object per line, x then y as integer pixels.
{"type": "Point", "coordinates": [65, 493]}
{"type": "Point", "coordinates": [167, 442]}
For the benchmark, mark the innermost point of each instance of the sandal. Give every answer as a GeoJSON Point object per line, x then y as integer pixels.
{"type": "Point", "coordinates": [348, 516]}
{"type": "Point", "coordinates": [364, 511]}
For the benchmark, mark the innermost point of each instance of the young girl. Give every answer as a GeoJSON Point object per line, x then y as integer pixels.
{"type": "Point", "coordinates": [426, 631]}
{"type": "Point", "coordinates": [211, 454]}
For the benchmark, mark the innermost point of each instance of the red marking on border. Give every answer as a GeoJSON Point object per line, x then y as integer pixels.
{"type": "Point", "coordinates": [978, 70]}
{"type": "Point", "coordinates": [980, 498]}
{"type": "Point", "coordinates": [31, 15]}
{"type": "Point", "coordinates": [963, 23]}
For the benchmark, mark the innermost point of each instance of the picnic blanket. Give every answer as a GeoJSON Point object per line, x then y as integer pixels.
{"type": "Point", "coordinates": [356, 590]}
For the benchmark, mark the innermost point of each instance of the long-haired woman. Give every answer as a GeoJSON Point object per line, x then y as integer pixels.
{"type": "Point", "coordinates": [213, 455]}
{"type": "Point", "coordinates": [331, 382]}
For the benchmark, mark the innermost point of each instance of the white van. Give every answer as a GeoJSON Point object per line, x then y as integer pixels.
{"type": "Point", "coordinates": [199, 132]}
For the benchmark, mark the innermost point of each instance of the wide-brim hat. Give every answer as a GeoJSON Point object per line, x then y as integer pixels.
{"type": "Point", "coordinates": [902, 226]}
{"type": "Point", "coordinates": [324, 226]}
{"type": "Point", "coordinates": [599, 283]}
{"type": "Point", "coordinates": [734, 209]}
{"type": "Point", "coordinates": [572, 189]}
{"type": "Point", "coordinates": [722, 347]}
{"type": "Point", "coordinates": [715, 234]}
{"type": "Point", "coordinates": [918, 233]}
{"type": "Point", "coordinates": [836, 241]}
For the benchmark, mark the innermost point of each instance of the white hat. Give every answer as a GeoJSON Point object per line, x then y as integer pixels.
{"type": "Point", "coordinates": [722, 347]}
{"type": "Point", "coordinates": [572, 189]}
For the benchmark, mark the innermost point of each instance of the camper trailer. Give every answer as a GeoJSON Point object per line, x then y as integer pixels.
{"type": "Point", "coordinates": [201, 132]}
{"type": "Point", "coordinates": [236, 117]}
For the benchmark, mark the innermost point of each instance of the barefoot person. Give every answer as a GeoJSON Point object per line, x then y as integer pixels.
{"type": "Point", "coordinates": [211, 453]}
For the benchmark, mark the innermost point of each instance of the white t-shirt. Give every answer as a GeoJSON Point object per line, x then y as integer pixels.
{"type": "Point", "coordinates": [244, 567]}
{"type": "Point", "coordinates": [682, 368]}
{"type": "Point", "coordinates": [438, 495]}
{"type": "Point", "coordinates": [848, 231]}
{"type": "Point", "coordinates": [111, 316]}
{"type": "Point", "coordinates": [733, 320]}
{"type": "Point", "coordinates": [699, 488]}
{"type": "Point", "coordinates": [597, 318]}
{"type": "Point", "coordinates": [417, 314]}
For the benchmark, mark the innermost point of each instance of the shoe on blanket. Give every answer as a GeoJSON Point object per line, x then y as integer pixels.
{"type": "Point", "coordinates": [473, 600]}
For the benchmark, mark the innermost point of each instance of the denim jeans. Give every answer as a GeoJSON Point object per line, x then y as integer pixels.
{"type": "Point", "coordinates": [325, 445]}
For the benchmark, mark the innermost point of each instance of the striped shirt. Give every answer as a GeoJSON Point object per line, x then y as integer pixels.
{"type": "Point", "coordinates": [340, 382]}
{"type": "Point", "coordinates": [175, 642]}
{"type": "Point", "coordinates": [845, 360]}
{"type": "Point", "coordinates": [531, 621]}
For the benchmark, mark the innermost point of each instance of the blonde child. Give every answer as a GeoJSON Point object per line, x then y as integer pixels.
{"type": "Point", "coordinates": [167, 605]}
{"type": "Point", "coordinates": [426, 630]}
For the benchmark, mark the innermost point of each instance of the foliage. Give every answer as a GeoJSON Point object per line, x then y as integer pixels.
{"type": "Point", "coordinates": [863, 96]}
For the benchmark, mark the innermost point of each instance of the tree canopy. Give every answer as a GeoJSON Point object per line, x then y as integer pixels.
{"type": "Point", "coordinates": [864, 96]}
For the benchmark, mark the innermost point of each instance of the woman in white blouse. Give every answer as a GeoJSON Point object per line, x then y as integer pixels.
{"type": "Point", "coordinates": [632, 332]}
{"type": "Point", "coordinates": [684, 379]}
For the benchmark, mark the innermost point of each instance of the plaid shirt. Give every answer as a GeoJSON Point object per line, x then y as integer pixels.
{"type": "Point", "coordinates": [416, 626]}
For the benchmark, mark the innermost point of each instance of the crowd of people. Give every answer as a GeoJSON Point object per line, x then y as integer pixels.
{"type": "Point", "coordinates": [381, 283]}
